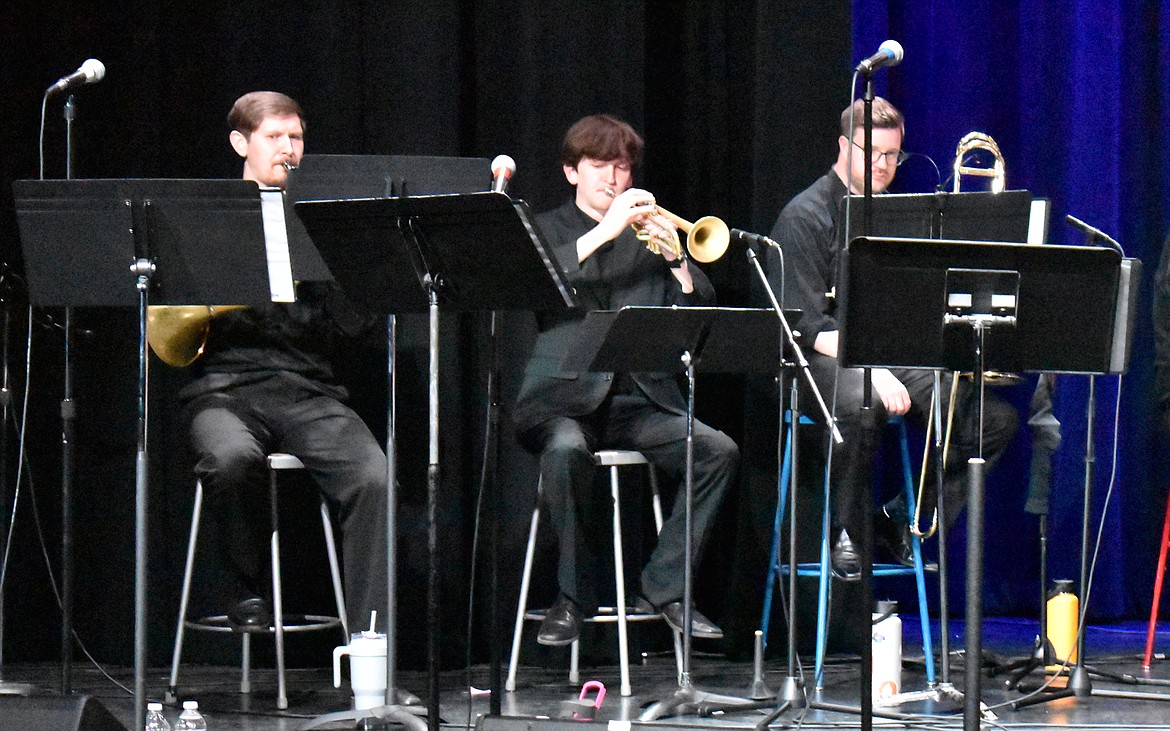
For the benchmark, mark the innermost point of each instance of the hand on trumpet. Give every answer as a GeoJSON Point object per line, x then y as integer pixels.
{"type": "Point", "coordinates": [636, 208]}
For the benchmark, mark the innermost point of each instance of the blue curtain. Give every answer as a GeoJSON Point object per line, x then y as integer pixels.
{"type": "Point", "coordinates": [1075, 95]}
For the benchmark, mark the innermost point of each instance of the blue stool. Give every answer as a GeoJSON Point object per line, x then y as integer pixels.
{"type": "Point", "coordinates": [777, 569]}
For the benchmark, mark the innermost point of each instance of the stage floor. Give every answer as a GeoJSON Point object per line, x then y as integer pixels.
{"type": "Point", "coordinates": [544, 692]}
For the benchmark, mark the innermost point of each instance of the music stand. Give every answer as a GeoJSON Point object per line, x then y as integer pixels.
{"type": "Point", "coordinates": [426, 252]}
{"type": "Point", "coordinates": [93, 243]}
{"type": "Point", "coordinates": [978, 306]}
{"type": "Point", "coordinates": [673, 340]}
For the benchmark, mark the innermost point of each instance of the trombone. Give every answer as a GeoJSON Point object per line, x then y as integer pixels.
{"type": "Point", "coordinates": [707, 238]}
{"type": "Point", "coordinates": [971, 142]}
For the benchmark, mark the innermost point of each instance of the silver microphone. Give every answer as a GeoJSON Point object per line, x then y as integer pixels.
{"type": "Point", "coordinates": [503, 168]}
{"type": "Point", "coordinates": [90, 72]}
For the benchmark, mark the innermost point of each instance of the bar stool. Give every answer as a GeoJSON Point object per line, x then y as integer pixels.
{"type": "Point", "coordinates": [277, 463]}
{"type": "Point", "coordinates": [613, 459]}
{"type": "Point", "coordinates": [777, 569]}
{"type": "Point", "coordinates": [1147, 658]}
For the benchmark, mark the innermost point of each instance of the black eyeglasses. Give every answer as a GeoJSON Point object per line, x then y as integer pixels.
{"type": "Point", "coordinates": [893, 157]}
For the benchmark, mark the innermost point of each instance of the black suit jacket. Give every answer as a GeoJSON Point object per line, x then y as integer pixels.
{"type": "Point", "coordinates": [622, 272]}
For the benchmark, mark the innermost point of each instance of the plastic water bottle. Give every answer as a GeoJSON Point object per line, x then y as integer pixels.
{"type": "Point", "coordinates": [1062, 608]}
{"type": "Point", "coordinates": [155, 720]}
{"type": "Point", "coordinates": [190, 719]}
{"type": "Point", "coordinates": [886, 642]}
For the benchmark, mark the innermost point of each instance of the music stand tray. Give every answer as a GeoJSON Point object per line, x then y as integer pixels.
{"type": "Point", "coordinates": [894, 297]}
{"type": "Point", "coordinates": [345, 177]}
{"type": "Point", "coordinates": [80, 237]}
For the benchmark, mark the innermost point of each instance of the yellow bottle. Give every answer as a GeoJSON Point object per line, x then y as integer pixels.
{"type": "Point", "coordinates": [1062, 612]}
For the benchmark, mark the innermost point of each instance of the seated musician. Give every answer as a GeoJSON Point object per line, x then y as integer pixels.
{"type": "Point", "coordinates": [809, 233]}
{"type": "Point", "coordinates": [265, 384]}
{"type": "Point", "coordinates": [564, 415]}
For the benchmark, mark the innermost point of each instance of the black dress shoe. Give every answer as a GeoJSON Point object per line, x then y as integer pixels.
{"type": "Point", "coordinates": [846, 564]}
{"type": "Point", "coordinates": [894, 533]}
{"type": "Point", "coordinates": [561, 624]}
{"type": "Point", "coordinates": [672, 612]}
{"type": "Point", "coordinates": [251, 613]}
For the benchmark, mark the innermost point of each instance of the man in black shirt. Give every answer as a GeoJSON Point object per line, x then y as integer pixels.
{"type": "Point", "coordinates": [809, 235]}
{"type": "Point", "coordinates": [266, 385]}
{"type": "Point", "coordinates": [564, 415]}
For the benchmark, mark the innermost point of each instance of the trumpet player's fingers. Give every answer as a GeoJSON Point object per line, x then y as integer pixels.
{"type": "Point", "coordinates": [658, 227]}
{"type": "Point", "coordinates": [629, 207]}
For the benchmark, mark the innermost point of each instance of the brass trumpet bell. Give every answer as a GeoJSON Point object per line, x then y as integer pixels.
{"type": "Point", "coordinates": [707, 238]}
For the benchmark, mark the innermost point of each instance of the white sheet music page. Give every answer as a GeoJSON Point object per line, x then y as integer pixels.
{"type": "Point", "coordinates": [280, 278]}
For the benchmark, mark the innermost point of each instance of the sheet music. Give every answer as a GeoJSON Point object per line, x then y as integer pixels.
{"type": "Point", "coordinates": [280, 278]}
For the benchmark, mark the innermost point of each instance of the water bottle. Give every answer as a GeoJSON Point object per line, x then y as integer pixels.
{"type": "Point", "coordinates": [1062, 609]}
{"type": "Point", "coordinates": [190, 719]}
{"type": "Point", "coordinates": [886, 642]}
{"type": "Point", "coordinates": [155, 720]}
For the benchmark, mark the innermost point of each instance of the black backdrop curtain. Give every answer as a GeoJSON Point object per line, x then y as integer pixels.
{"type": "Point", "coordinates": [737, 101]}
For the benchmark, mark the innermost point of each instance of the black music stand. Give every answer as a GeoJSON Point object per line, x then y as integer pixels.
{"type": "Point", "coordinates": [93, 243]}
{"type": "Point", "coordinates": [978, 306]}
{"type": "Point", "coordinates": [396, 255]}
{"type": "Point", "coordinates": [674, 340]}
{"type": "Point", "coordinates": [345, 177]}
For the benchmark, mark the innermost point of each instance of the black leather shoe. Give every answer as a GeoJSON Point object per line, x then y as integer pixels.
{"type": "Point", "coordinates": [701, 627]}
{"type": "Point", "coordinates": [895, 535]}
{"type": "Point", "coordinates": [846, 564]}
{"type": "Point", "coordinates": [561, 624]}
{"type": "Point", "coordinates": [251, 613]}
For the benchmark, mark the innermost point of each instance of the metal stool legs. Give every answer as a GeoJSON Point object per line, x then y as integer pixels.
{"type": "Point", "coordinates": [613, 459]}
{"type": "Point", "coordinates": [276, 463]}
{"type": "Point", "coordinates": [821, 569]}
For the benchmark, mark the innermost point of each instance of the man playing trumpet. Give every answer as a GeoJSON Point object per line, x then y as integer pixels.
{"type": "Point", "coordinates": [564, 415]}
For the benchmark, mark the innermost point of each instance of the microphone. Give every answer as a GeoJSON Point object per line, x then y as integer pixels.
{"type": "Point", "coordinates": [1093, 232]}
{"type": "Point", "coordinates": [889, 54]}
{"type": "Point", "coordinates": [751, 238]}
{"type": "Point", "coordinates": [503, 167]}
{"type": "Point", "coordinates": [90, 72]}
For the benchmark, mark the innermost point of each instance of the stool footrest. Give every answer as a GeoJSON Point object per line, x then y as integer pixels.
{"type": "Point", "coordinates": [604, 614]}
{"type": "Point", "coordinates": [292, 623]}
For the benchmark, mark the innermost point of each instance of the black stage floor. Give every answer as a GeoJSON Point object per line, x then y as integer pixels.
{"type": "Point", "coordinates": [544, 692]}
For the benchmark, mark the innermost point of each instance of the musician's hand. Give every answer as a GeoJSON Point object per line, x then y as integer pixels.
{"type": "Point", "coordinates": [890, 390]}
{"type": "Point", "coordinates": [628, 207]}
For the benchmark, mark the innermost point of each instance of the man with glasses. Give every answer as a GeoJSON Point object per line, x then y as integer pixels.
{"type": "Point", "coordinates": [809, 235]}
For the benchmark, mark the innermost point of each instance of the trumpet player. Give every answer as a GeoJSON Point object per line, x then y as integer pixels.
{"type": "Point", "coordinates": [265, 384]}
{"type": "Point", "coordinates": [809, 235]}
{"type": "Point", "coordinates": [564, 415]}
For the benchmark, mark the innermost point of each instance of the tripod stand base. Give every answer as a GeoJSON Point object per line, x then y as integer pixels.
{"type": "Point", "coordinates": [690, 700]}
{"type": "Point", "coordinates": [407, 716]}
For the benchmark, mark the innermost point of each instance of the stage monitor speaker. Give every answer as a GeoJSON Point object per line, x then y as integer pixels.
{"type": "Point", "coordinates": [56, 713]}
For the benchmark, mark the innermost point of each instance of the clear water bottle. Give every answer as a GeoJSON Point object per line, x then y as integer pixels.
{"type": "Point", "coordinates": [155, 720]}
{"type": "Point", "coordinates": [190, 719]}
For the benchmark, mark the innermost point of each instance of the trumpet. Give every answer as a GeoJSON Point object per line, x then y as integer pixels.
{"type": "Point", "coordinates": [707, 238]}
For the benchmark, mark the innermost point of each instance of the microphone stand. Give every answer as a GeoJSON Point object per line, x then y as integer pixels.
{"type": "Point", "coordinates": [6, 687]}
{"type": "Point", "coordinates": [68, 421]}
{"type": "Point", "coordinates": [792, 693]}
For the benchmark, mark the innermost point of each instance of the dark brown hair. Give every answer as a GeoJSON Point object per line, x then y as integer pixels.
{"type": "Point", "coordinates": [601, 137]}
